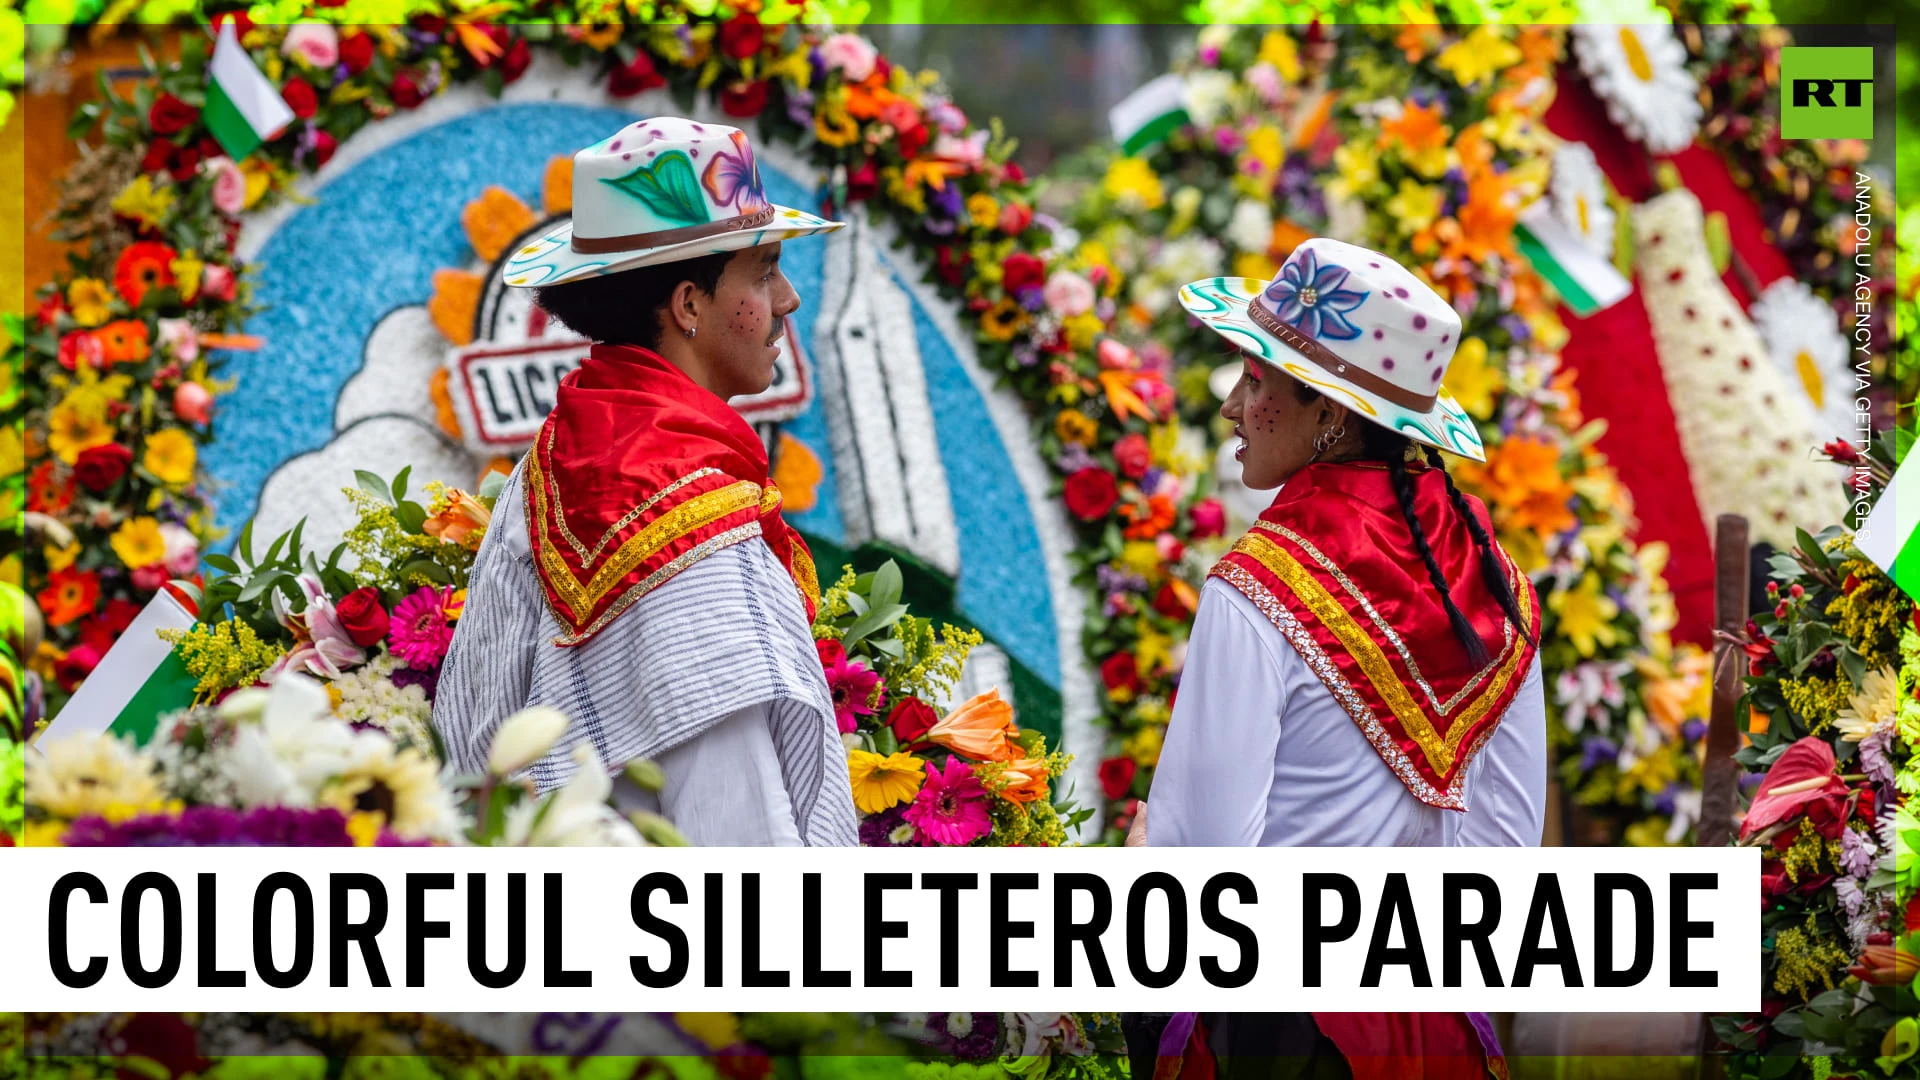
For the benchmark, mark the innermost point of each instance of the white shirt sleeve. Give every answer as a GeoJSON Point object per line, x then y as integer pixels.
{"type": "Point", "coordinates": [724, 785]}
{"type": "Point", "coordinates": [1211, 786]}
{"type": "Point", "coordinates": [1507, 782]}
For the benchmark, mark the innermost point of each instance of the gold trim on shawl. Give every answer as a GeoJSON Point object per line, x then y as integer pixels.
{"type": "Point", "coordinates": [1440, 751]}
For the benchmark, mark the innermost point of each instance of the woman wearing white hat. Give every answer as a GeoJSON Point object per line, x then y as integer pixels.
{"type": "Point", "coordinates": [1363, 667]}
{"type": "Point", "coordinates": [639, 575]}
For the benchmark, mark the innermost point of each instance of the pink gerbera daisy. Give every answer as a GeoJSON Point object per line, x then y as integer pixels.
{"type": "Point", "coordinates": [951, 809]}
{"type": "Point", "coordinates": [853, 686]}
{"type": "Point", "coordinates": [422, 627]}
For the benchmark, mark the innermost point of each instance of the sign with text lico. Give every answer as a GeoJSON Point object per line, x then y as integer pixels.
{"type": "Point", "coordinates": [680, 929]}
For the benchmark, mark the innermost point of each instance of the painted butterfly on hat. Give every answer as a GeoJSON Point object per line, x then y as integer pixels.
{"type": "Point", "coordinates": [1312, 298]}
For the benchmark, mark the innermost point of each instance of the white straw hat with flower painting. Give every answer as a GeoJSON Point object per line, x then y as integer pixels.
{"type": "Point", "coordinates": [659, 191]}
{"type": "Point", "coordinates": [1354, 325]}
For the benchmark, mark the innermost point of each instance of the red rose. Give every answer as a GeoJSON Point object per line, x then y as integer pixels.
{"type": "Point", "coordinates": [98, 467]}
{"type": "Point", "coordinates": [1209, 517]}
{"type": "Point", "coordinates": [1169, 603]}
{"type": "Point", "coordinates": [635, 77]}
{"type": "Point", "coordinates": [186, 162]}
{"type": "Point", "coordinates": [1133, 455]}
{"type": "Point", "coordinates": [951, 263]}
{"type": "Point", "coordinates": [912, 140]}
{"type": "Point", "coordinates": [863, 182]}
{"type": "Point", "coordinates": [76, 666]}
{"type": "Point", "coordinates": [744, 99]}
{"type": "Point", "coordinates": [78, 345]}
{"type": "Point", "coordinates": [170, 116]}
{"type": "Point", "coordinates": [242, 24]}
{"type": "Point", "coordinates": [323, 147]}
{"type": "Point", "coordinates": [514, 63]}
{"type": "Point", "coordinates": [910, 718]}
{"type": "Point", "coordinates": [1116, 777]}
{"type": "Point", "coordinates": [158, 156]}
{"type": "Point", "coordinates": [356, 51]}
{"type": "Point", "coordinates": [741, 36]}
{"type": "Point", "coordinates": [299, 96]}
{"type": "Point", "coordinates": [363, 616]}
{"type": "Point", "coordinates": [1120, 672]}
{"type": "Point", "coordinates": [1021, 271]}
{"type": "Point", "coordinates": [830, 652]}
{"type": "Point", "coordinates": [406, 92]}
{"type": "Point", "coordinates": [1015, 217]}
{"type": "Point", "coordinates": [1091, 493]}
{"type": "Point", "coordinates": [1015, 174]}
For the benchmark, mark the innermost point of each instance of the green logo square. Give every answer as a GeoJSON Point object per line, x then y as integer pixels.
{"type": "Point", "coordinates": [1826, 92]}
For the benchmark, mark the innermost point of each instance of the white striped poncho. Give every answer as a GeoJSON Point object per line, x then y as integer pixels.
{"type": "Point", "coordinates": [726, 633]}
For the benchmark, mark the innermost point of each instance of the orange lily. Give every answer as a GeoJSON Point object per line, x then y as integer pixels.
{"type": "Point", "coordinates": [978, 729]}
{"type": "Point", "coordinates": [1119, 388]}
{"type": "Point", "coordinates": [462, 522]}
{"type": "Point", "coordinates": [1025, 780]}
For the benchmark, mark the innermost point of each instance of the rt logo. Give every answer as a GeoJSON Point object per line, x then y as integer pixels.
{"type": "Point", "coordinates": [1826, 92]}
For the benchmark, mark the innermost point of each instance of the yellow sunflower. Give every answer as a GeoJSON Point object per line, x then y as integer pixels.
{"type": "Point", "coordinates": [881, 781]}
{"type": "Point", "coordinates": [71, 430]}
{"type": "Point", "coordinates": [90, 300]}
{"type": "Point", "coordinates": [1003, 320]}
{"type": "Point", "coordinates": [170, 456]}
{"type": "Point", "coordinates": [138, 542]}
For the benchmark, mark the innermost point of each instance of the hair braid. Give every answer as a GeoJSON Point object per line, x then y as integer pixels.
{"type": "Point", "coordinates": [1489, 563]}
{"type": "Point", "coordinates": [1462, 629]}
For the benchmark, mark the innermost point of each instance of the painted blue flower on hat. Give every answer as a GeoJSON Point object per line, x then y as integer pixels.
{"type": "Point", "coordinates": [1313, 299]}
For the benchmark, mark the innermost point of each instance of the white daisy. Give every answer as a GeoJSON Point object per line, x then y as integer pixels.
{"type": "Point", "coordinates": [1251, 228]}
{"type": "Point", "coordinates": [1628, 51]}
{"type": "Point", "coordinates": [1579, 196]}
{"type": "Point", "coordinates": [1804, 341]}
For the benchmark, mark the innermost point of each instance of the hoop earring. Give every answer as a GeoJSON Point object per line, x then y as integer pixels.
{"type": "Point", "coordinates": [1325, 441]}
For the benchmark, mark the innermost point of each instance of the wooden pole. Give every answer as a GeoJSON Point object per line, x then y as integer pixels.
{"type": "Point", "coordinates": [1720, 774]}
{"type": "Point", "coordinates": [1720, 787]}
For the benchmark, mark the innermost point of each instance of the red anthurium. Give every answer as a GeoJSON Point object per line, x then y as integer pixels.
{"type": "Point", "coordinates": [1803, 775]}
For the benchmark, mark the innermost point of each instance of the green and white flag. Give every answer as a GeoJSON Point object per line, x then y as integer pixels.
{"type": "Point", "coordinates": [243, 108]}
{"type": "Point", "coordinates": [139, 678]}
{"type": "Point", "coordinates": [1582, 276]}
{"type": "Point", "coordinates": [1891, 534]}
{"type": "Point", "coordinates": [1149, 114]}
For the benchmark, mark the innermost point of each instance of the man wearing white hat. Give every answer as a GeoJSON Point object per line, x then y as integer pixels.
{"type": "Point", "coordinates": [639, 576]}
{"type": "Point", "coordinates": [1363, 667]}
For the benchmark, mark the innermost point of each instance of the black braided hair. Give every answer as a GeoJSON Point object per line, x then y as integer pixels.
{"type": "Point", "coordinates": [1381, 443]}
{"type": "Point", "coordinates": [1489, 562]}
{"type": "Point", "coordinates": [1462, 629]}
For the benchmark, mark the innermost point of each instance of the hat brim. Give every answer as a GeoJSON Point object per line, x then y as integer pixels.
{"type": "Point", "coordinates": [1221, 304]}
{"type": "Point", "coordinates": [551, 260]}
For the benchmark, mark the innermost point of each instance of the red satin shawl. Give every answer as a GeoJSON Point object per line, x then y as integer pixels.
{"type": "Point", "coordinates": [638, 473]}
{"type": "Point", "coordinates": [1333, 565]}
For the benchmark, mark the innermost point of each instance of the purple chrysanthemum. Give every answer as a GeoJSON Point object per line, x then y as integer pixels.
{"type": "Point", "coordinates": [877, 830]}
{"type": "Point", "coordinates": [980, 1041]}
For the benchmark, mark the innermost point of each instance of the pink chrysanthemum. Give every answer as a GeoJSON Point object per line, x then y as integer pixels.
{"type": "Point", "coordinates": [422, 628]}
{"type": "Point", "coordinates": [951, 809]}
{"type": "Point", "coordinates": [853, 686]}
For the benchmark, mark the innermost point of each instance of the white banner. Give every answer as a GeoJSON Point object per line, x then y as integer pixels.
{"type": "Point", "coordinates": [842, 930]}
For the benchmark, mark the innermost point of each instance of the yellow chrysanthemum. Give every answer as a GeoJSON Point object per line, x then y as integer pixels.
{"type": "Point", "coordinates": [71, 430]}
{"type": "Point", "coordinates": [1265, 145]}
{"type": "Point", "coordinates": [1414, 206]}
{"type": "Point", "coordinates": [1141, 557]}
{"type": "Point", "coordinates": [1143, 746]}
{"type": "Point", "coordinates": [1358, 165]}
{"type": "Point", "coordinates": [984, 209]}
{"type": "Point", "coordinates": [60, 558]}
{"type": "Point", "coordinates": [1133, 184]}
{"type": "Point", "coordinates": [90, 300]}
{"type": "Point", "coordinates": [1875, 706]}
{"type": "Point", "coordinates": [186, 276]}
{"type": "Point", "coordinates": [1479, 56]}
{"type": "Point", "coordinates": [1586, 615]}
{"type": "Point", "coordinates": [1076, 427]}
{"type": "Point", "coordinates": [1472, 381]}
{"type": "Point", "coordinates": [883, 780]}
{"type": "Point", "coordinates": [88, 773]}
{"type": "Point", "coordinates": [138, 542]}
{"type": "Point", "coordinates": [143, 202]}
{"type": "Point", "coordinates": [170, 456]}
{"type": "Point", "coordinates": [1278, 48]}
